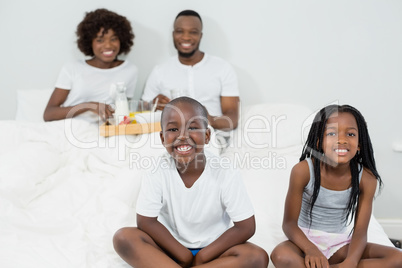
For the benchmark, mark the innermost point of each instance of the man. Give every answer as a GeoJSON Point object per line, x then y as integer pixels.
{"type": "Point", "coordinates": [206, 78]}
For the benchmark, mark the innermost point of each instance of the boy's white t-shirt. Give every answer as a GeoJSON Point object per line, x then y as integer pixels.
{"type": "Point", "coordinates": [195, 216]}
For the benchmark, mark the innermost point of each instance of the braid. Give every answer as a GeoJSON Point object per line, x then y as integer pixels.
{"type": "Point", "coordinates": [366, 155]}
{"type": "Point", "coordinates": [313, 149]}
{"type": "Point", "coordinates": [351, 209]}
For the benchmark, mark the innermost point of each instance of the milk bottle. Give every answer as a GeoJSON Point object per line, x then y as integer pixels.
{"type": "Point", "coordinates": [121, 103]}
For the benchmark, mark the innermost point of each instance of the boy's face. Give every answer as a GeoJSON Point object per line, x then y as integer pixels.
{"type": "Point", "coordinates": [184, 132]}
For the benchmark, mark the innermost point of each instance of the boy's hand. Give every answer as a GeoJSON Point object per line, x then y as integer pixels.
{"type": "Point", "coordinates": [164, 239]}
{"type": "Point", "coordinates": [198, 258]}
{"type": "Point", "coordinates": [186, 260]}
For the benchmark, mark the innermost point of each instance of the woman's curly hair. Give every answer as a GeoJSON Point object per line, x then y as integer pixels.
{"type": "Point", "coordinates": [94, 21]}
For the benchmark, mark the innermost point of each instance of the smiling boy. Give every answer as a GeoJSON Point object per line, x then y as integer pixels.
{"type": "Point", "coordinates": [190, 213]}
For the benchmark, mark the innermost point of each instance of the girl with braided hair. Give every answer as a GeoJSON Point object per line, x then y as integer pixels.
{"type": "Point", "coordinates": [333, 185]}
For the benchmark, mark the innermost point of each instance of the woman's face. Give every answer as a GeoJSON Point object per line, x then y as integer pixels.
{"type": "Point", "coordinates": [106, 47]}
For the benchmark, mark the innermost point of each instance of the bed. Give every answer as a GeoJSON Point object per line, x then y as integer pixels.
{"type": "Point", "coordinates": [65, 190]}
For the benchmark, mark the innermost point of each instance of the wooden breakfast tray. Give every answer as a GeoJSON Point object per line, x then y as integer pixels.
{"type": "Point", "coordinates": [128, 129]}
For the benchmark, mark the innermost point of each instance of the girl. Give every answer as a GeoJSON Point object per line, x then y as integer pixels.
{"type": "Point", "coordinates": [84, 85]}
{"type": "Point", "coordinates": [333, 184]}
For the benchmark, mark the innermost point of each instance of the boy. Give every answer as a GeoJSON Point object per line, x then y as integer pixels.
{"type": "Point", "coordinates": [189, 212]}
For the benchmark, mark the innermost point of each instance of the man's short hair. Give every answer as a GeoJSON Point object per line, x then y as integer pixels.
{"type": "Point", "coordinates": [189, 12]}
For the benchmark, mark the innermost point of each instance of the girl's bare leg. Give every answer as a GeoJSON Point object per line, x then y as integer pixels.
{"type": "Point", "coordinates": [374, 256]}
{"type": "Point", "coordinates": [287, 254]}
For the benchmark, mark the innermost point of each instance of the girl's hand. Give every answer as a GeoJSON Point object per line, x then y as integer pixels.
{"type": "Point", "coordinates": [315, 259]}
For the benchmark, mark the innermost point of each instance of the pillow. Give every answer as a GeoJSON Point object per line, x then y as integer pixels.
{"type": "Point", "coordinates": [31, 104]}
{"type": "Point", "coordinates": [269, 125]}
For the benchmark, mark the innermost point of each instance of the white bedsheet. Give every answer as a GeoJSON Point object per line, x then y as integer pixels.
{"type": "Point", "coordinates": [63, 196]}
{"type": "Point", "coordinates": [64, 191]}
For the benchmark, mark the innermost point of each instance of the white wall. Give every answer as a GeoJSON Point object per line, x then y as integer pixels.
{"type": "Point", "coordinates": [310, 52]}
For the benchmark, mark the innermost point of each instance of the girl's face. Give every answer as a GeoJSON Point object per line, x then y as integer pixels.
{"type": "Point", "coordinates": [106, 47]}
{"type": "Point", "coordinates": [341, 138]}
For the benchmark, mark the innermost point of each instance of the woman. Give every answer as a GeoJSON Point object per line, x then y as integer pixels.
{"type": "Point", "coordinates": [85, 85]}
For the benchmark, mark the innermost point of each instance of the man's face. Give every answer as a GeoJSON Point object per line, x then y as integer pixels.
{"type": "Point", "coordinates": [187, 33]}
